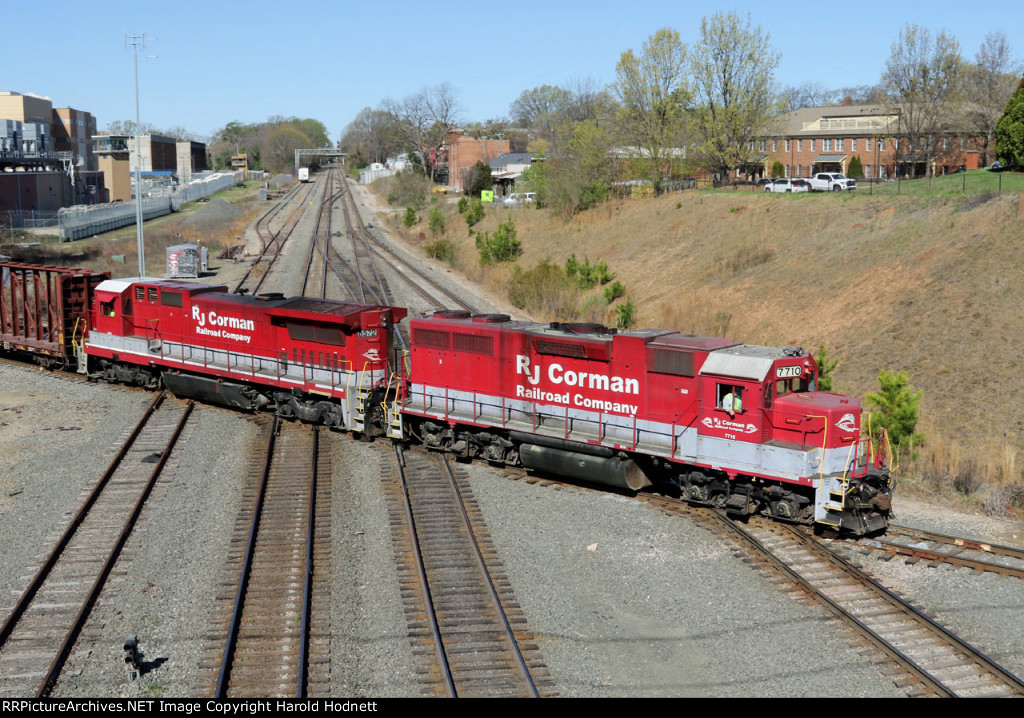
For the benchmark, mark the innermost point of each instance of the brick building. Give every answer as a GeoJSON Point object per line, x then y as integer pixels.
{"type": "Point", "coordinates": [465, 151]}
{"type": "Point", "coordinates": [826, 139]}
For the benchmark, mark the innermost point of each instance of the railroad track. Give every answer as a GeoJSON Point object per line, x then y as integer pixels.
{"type": "Point", "coordinates": [935, 661]}
{"type": "Point", "coordinates": [935, 548]}
{"type": "Point", "coordinates": [43, 626]}
{"type": "Point", "coordinates": [365, 244]}
{"type": "Point", "coordinates": [276, 640]}
{"type": "Point", "coordinates": [463, 617]}
{"type": "Point", "coordinates": [272, 243]}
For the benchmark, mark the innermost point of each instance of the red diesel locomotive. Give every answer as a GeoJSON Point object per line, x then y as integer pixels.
{"type": "Point", "coordinates": [720, 423]}
{"type": "Point", "coordinates": [316, 360]}
{"type": "Point", "coordinates": [726, 424]}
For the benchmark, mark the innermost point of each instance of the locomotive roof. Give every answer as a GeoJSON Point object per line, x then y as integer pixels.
{"type": "Point", "coordinates": [685, 341]}
{"type": "Point", "coordinates": [746, 361]}
{"type": "Point", "coordinates": [275, 304]}
{"type": "Point", "coordinates": [119, 285]}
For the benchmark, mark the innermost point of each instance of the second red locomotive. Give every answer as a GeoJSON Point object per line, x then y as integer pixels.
{"type": "Point", "coordinates": [317, 360]}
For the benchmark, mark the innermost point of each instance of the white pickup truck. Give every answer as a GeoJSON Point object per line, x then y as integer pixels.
{"type": "Point", "coordinates": [831, 182]}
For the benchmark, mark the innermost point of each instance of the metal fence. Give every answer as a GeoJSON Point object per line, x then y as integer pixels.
{"type": "Point", "coordinates": [86, 220]}
{"type": "Point", "coordinates": [29, 219]}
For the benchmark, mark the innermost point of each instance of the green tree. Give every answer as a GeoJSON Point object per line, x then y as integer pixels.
{"type": "Point", "coordinates": [625, 314]}
{"type": "Point", "coordinates": [587, 275]}
{"type": "Point", "coordinates": [410, 217]}
{"type": "Point", "coordinates": [733, 67]}
{"type": "Point", "coordinates": [541, 108]}
{"type": "Point", "coordinates": [615, 290]}
{"type": "Point", "coordinates": [436, 222]}
{"type": "Point", "coordinates": [1010, 130]}
{"type": "Point", "coordinates": [535, 179]}
{"type": "Point", "coordinates": [825, 368]}
{"type": "Point", "coordinates": [580, 175]}
{"type": "Point", "coordinates": [279, 148]}
{"type": "Point", "coordinates": [653, 92]}
{"type": "Point", "coordinates": [856, 169]}
{"type": "Point", "coordinates": [897, 409]}
{"type": "Point", "coordinates": [502, 246]}
{"type": "Point", "coordinates": [474, 213]}
{"type": "Point", "coordinates": [477, 179]}
{"type": "Point", "coordinates": [777, 169]}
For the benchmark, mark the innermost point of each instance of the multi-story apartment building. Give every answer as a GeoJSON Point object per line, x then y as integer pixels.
{"type": "Point", "coordinates": [826, 139]}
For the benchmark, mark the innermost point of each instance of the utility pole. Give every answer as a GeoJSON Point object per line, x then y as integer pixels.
{"type": "Point", "coordinates": [135, 42]}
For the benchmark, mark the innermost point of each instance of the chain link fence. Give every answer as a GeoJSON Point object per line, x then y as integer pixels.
{"type": "Point", "coordinates": [84, 221]}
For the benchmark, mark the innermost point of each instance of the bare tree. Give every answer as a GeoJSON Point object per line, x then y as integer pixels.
{"type": "Point", "coordinates": [588, 101]}
{"type": "Point", "coordinates": [990, 81]}
{"type": "Point", "coordinates": [809, 94]}
{"type": "Point", "coordinates": [424, 120]}
{"type": "Point", "coordinates": [924, 80]}
{"type": "Point", "coordinates": [371, 137]}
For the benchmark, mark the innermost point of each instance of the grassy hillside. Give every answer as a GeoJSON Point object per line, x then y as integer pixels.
{"type": "Point", "coordinates": [929, 282]}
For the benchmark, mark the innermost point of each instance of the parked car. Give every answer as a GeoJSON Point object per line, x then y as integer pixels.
{"type": "Point", "coordinates": [519, 198]}
{"type": "Point", "coordinates": [784, 185]}
{"type": "Point", "coordinates": [831, 182]}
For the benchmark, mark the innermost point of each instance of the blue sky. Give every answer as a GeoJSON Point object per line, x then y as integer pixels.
{"type": "Point", "coordinates": [219, 61]}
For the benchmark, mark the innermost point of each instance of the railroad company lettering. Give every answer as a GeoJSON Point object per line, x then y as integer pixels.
{"type": "Point", "coordinates": [557, 374]}
{"type": "Point", "coordinates": [220, 320]}
{"type": "Point", "coordinates": [222, 323]}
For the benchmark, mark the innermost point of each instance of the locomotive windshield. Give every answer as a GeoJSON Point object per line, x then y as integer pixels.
{"type": "Point", "coordinates": [796, 384]}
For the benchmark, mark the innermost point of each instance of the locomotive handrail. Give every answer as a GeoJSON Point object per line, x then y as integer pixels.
{"type": "Point", "coordinates": [824, 443]}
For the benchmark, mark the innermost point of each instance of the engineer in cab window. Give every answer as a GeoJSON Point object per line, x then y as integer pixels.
{"type": "Point", "coordinates": [732, 402]}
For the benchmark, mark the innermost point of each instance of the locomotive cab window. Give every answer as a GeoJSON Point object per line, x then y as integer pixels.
{"type": "Point", "coordinates": [730, 397]}
{"type": "Point", "coordinates": [107, 308]}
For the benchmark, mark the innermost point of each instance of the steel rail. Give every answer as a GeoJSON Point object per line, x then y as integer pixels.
{"type": "Point", "coordinates": [521, 666]}
{"type": "Point", "coordinates": [435, 631]}
{"type": "Point", "coordinates": [966, 543]}
{"type": "Point", "coordinates": [902, 659]}
{"type": "Point", "coordinates": [381, 249]}
{"type": "Point", "coordinates": [40, 577]}
{"type": "Point", "coordinates": [68, 643]}
{"type": "Point", "coordinates": [243, 580]}
{"type": "Point", "coordinates": [307, 587]}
